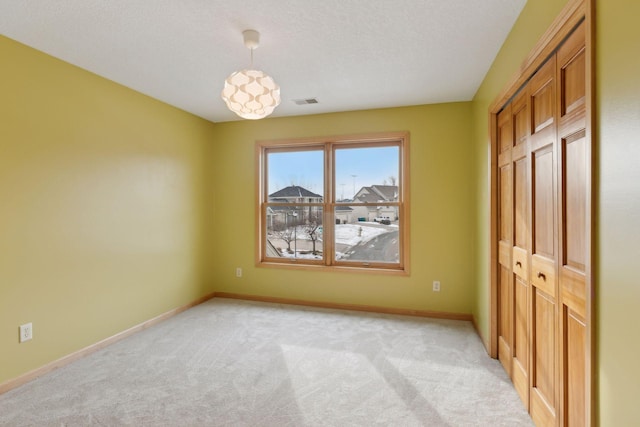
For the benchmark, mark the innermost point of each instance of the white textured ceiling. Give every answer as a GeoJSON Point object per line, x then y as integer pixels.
{"type": "Point", "coordinates": [349, 54]}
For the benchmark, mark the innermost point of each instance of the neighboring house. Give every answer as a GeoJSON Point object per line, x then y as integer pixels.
{"type": "Point", "coordinates": [291, 214]}
{"type": "Point", "coordinates": [295, 194]}
{"type": "Point", "coordinates": [376, 194]}
{"type": "Point", "coordinates": [344, 214]}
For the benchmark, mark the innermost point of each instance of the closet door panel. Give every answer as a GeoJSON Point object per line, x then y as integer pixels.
{"type": "Point", "coordinates": [505, 242]}
{"type": "Point", "coordinates": [575, 361]}
{"type": "Point", "coordinates": [505, 203]}
{"type": "Point", "coordinates": [505, 131]}
{"type": "Point", "coordinates": [572, 65]}
{"type": "Point", "coordinates": [573, 249]}
{"type": "Point", "coordinates": [543, 265]}
{"type": "Point", "coordinates": [543, 229]}
{"type": "Point", "coordinates": [520, 367]}
{"type": "Point", "coordinates": [505, 318]}
{"type": "Point", "coordinates": [543, 389]}
{"type": "Point", "coordinates": [574, 177]}
{"type": "Point", "coordinates": [572, 291]}
{"type": "Point", "coordinates": [520, 119]}
{"type": "Point", "coordinates": [575, 200]}
{"type": "Point", "coordinates": [543, 97]}
{"type": "Point", "coordinates": [521, 244]}
{"type": "Point", "coordinates": [521, 194]}
{"type": "Point", "coordinates": [572, 281]}
{"type": "Point", "coordinates": [543, 203]}
{"type": "Point", "coordinates": [544, 313]}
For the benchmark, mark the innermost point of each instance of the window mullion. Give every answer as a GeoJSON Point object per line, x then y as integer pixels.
{"type": "Point", "coordinates": [328, 234]}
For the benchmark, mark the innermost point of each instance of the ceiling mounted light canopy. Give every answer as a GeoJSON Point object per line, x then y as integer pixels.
{"type": "Point", "coordinates": [251, 94]}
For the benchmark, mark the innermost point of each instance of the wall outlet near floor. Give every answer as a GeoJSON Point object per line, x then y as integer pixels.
{"type": "Point", "coordinates": [436, 286]}
{"type": "Point", "coordinates": [26, 332]}
{"type": "Point", "coordinates": [238, 272]}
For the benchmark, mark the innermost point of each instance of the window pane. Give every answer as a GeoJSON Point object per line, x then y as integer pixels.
{"type": "Point", "coordinates": [295, 177]}
{"type": "Point", "coordinates": [294, 232]}
{"type": "Point", "coordinates": [359, 237]}
{"type": "Point", "coordinates": [367, 174]}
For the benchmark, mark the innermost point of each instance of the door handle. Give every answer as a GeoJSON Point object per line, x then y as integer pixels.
{"type": "Point", "coordinates": [518, 264]}
{"type": "Point", "coordinates": [542, 276]}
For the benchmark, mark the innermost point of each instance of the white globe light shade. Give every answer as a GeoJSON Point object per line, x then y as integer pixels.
{"type": "Point", "coordinates": [251, 94]}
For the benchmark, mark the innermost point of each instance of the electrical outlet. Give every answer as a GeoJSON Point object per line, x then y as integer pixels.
{"type": "Point", "coordinates": [238, 272]}
{"type": "Point", "coordinates": [436, 286]}
{"type": "Point", "coordinates": [26, 332]}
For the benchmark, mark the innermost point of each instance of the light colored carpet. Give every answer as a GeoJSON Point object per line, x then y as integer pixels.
{"type": "Point", "coordinates": [237, 363]}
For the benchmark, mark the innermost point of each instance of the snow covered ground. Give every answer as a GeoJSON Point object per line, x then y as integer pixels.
{"type": "Point", "coordinates": [352, 234]}
{"type": "Point", "coordinates": [347, 235]}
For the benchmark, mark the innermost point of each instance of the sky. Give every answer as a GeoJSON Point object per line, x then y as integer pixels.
{"type": "Point", "coordinates": [371, 166]}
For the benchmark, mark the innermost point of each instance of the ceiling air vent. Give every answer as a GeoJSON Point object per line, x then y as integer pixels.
{"type": "Point", "coordinates": [305, 101]}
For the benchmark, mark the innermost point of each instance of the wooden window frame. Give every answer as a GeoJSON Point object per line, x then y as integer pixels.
{"type": "Point", "coordinates": [329, 145]}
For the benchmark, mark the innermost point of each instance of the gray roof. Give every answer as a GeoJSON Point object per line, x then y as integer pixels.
{"type": "Point", "coordinates": [294, 191]}
{"type": "Point", "coordinates": [377, 193]}
{"type": "Point", "coordinates": [388, 192]}
{"type": "Point", "coordinates": [367, 195]}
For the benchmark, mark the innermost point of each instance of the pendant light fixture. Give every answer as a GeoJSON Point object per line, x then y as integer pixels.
{"type": "Point", "coordinates": [251, 94]}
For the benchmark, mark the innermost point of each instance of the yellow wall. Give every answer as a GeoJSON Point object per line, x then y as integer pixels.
{"type": "Point", "coordinates": [101, 217]}
{"type": "Point", "coordinates": [442, 211]}
{"type": "Point", "coordinates": [617, 196]}
{"type": "Point", "coordinates": [618, 130]}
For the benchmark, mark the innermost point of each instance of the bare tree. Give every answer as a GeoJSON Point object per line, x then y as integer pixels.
{"type": "Point", "coordinates": [393, 180]}
{"type": "Point", "coordinates": [312, 230]}
{"type": "Point", "coordinates": [287, 235]}
{"type": "Point", "coordinates": [286, 232]}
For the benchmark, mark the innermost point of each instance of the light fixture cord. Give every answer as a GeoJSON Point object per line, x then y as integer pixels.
{"type": "Point", "coordinates": [251, 63]}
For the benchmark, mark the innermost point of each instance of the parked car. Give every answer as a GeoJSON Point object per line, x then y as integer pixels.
{"type": "Point", "coordinates": [383, 220]}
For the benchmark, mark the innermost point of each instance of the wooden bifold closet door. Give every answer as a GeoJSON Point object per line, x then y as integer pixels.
{"type": "Point", "coordinates": [543, 174]}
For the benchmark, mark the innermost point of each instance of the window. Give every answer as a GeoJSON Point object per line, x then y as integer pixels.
{"type": "Point", "coordinates": [334, 202]}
